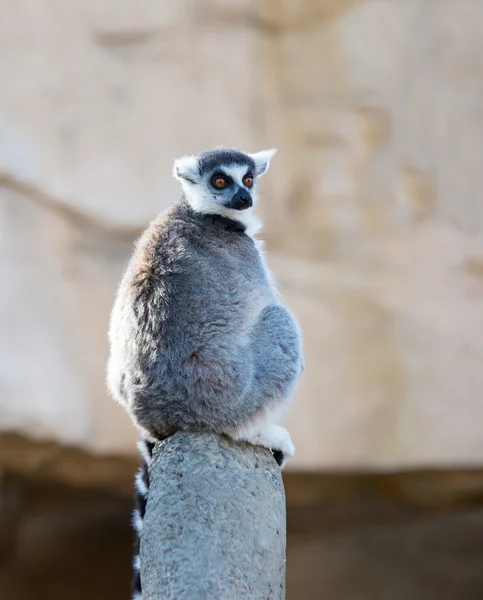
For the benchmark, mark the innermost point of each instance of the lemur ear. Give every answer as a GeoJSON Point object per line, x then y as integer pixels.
{"type": "Point", "coordinates": [185, 169]}
{"type": "Point", "coordinates": [262, 160]}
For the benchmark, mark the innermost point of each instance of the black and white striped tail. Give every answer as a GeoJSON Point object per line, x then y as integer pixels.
{"type": "Point", "coordinates": [142, 489]}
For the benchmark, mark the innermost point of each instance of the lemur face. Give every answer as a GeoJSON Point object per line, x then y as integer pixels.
{"type": "Point", "coordinates": [230, 185]}
{"type": "Point", "coordinates": [221, 180]}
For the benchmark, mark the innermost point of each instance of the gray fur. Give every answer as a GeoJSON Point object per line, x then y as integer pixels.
{"type": "Point", "coordinates": [210, 160]}
{"type": "Point", "coordinates": [198, 338]}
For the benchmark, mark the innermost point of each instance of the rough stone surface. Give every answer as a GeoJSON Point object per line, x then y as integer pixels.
{"type": "Point", "coordinates": [372, 207]}
{"type": "Point", "coordinates": [215, 522]}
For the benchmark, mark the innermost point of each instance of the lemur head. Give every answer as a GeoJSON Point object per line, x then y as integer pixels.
{"type": "Point", "coordinates": [223, 181]}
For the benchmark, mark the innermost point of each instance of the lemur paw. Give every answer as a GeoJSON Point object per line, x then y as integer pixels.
{"type": "Point", "coordinates": [282, 447]}
{"type": "Point", "coordinates": [275, 438]}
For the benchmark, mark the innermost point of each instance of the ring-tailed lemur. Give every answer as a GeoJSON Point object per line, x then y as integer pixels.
{"type": "Point", "coordinates": [198, 337]}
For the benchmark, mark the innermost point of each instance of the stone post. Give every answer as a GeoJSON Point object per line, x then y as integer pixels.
{"type": "Point", "coordinates": [215, 522]}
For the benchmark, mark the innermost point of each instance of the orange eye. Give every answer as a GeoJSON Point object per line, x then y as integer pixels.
{"type": "Point", "coordinates": [219, 182]}
{"type": "Point", "coordinates": [248, 181]}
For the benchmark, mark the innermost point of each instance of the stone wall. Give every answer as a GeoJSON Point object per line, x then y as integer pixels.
{"type": "Point", "coordinates": [372, 209]}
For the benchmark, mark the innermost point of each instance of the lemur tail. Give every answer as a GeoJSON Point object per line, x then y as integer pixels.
{"type": "Point", "coordinates": [142, 490]}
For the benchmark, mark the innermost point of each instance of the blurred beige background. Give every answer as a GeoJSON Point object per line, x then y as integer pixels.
{"type": "Point", "coordinates": [372, 208]}
{"type": "Point", "coordinates": [373, 217]}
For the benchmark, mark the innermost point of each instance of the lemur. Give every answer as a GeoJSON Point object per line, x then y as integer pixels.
{"type": "Point", "coordinates": [198, 337]}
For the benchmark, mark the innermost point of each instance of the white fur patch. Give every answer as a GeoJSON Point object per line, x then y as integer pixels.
{"type": "Point", "coordinates": [144, 451]}
{"type": "Point", "coordinates": [199, 202]}
{"type": "Point", "coordinates": [260, 245]}
{"type": "Point", "coordinates": [137, 521]}
{"type": "Point", "coordinates": [137, 597]}
{"type": "Point", "coordinates": [269, 436]}
{"type": "Point", "coordinates": [136, 563]}
{"type": "Point", "coordinates": [252, 223]}
{"type": "Point", "coordinates": [140, 485]}
{"type": "Point", "coordinates": [186, 167]}
{"type": "Point", "coordinates": [262, 160]}
{"type": "Point", "coordinates": [270, 415]}
{"type": "Point", "coordinates": [236, 172]}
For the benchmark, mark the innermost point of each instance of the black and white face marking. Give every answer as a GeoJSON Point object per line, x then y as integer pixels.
{"type": "Point", "coordinates": [232, 184]}
{"type": "Point", "coordinates": [223, 181]}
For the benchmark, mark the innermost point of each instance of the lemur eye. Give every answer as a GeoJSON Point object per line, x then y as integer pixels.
{"type": "Point", "coordinates": [219, 182]}
{"type": "Point", "coordinates": [248, 181]}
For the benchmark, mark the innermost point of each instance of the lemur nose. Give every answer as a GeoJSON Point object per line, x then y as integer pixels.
{"type": "Point", "coordinates": [241, 200]}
